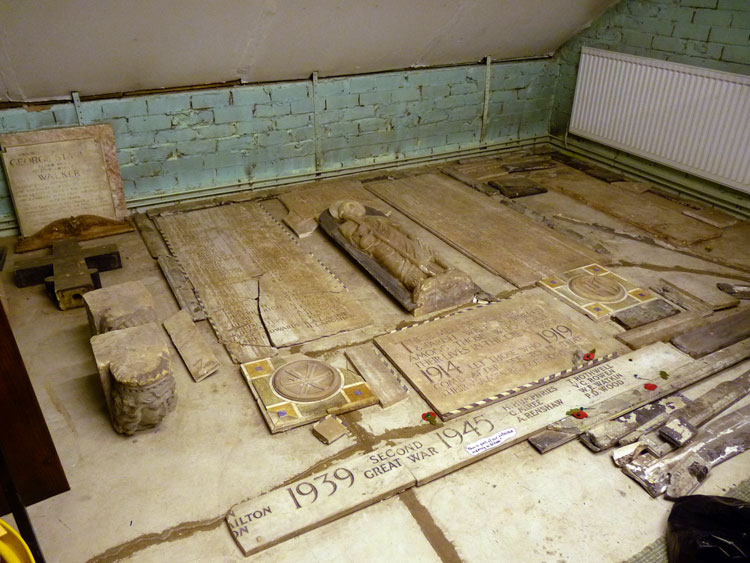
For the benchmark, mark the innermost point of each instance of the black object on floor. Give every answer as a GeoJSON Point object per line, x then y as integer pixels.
{"type": "Point", "coordinates": [708, 529]}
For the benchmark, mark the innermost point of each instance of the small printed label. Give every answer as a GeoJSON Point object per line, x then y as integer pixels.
{"type": "Point", "coordinates": [490, 442]}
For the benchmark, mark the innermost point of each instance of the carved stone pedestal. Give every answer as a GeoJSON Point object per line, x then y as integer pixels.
{"type": "Point", "coordinates": [120, 306]}
{"type": "Point", "coordinates": [134, 367]}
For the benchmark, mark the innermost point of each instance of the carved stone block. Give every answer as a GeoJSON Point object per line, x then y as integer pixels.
{"type": "Point", "coordinates": [120, 306]}
{"type": "Point", "coordinates": [329, 429]}
{"type": "Point", "coordinates": [135, 371]}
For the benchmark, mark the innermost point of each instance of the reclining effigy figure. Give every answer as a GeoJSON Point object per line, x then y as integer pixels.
{"type": "Point", "coordinates": [432, 282]}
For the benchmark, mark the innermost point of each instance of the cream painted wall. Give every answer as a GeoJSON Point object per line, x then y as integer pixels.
{"type": "Point", "coordinates": [49, 48]}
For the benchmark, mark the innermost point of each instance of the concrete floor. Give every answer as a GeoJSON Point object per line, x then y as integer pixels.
{"type": "Point", "coordinates": [162, 495]}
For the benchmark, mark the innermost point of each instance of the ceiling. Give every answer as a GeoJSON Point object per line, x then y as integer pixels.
{"type": "Point", "coordinates": [49, 48]}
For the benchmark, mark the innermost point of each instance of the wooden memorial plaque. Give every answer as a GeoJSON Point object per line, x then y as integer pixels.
{"type": "Point", "coordinates": [59, 173]}
{"type": "Point", "coordinates": [482, 355]}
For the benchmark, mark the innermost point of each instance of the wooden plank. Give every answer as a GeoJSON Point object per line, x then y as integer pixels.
{"type": "Point", "coordinates": [720, 334]}
{"type": "Point", "coordinates": [192, 347]}
{"type": "Point", "coordinates": [687, 300]}
{"type": "Point", "coordinates": [261, 290]}
{"type": "Point", "coordinates": [181, 287]}
{"type": "Point", "coordinates": [705, 407]}
{"type": "Point", "coordinates": [682, 471]}
{"type": "Point", "coordinates": [645, 313]}
{"type": "Point", "coordinates": [306, 203]}
{"type": "Point", "coordinates": [695, 289]}
{"type": "Point", "coordinates": [25, 440]}
{"type": "Point", "coordinates": [606, 434]}
{"type": "Point", "coordinates": [737, 290]}
{"type": "Point", "coordinates": [151, 237]}
{"type": "Point", "coordinates": [482, 229]}
{"type": "Point", "coordinates": [658, 216]}
{"type": "Point", "coordinates": [568, 428]}
{"type": "Point", "coordinates": [379, 373]}
{"type": "Point", "coordinates": [660, 331]}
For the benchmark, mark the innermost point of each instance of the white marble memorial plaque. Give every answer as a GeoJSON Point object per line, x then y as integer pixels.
{"type": "Point", "coordinates": [60, 173]}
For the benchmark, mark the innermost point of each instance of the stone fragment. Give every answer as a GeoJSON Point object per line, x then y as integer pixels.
{"type": "Point", "coordinates": [738, 290]}
{"type": "Point", "coordinates": [661, 330]}
{"type": "Point", "coordinates": [134, 369]}
{"type": "Point", "coordinates": [195, 352]}
{"type": "Point", "coordinates": [711, 337]}
{"type": "Point", "coordinates": [182, 288]}
{"type": "Point", "coordinates": [516, 186]}
{"type": "Point", "coordinates": [119, 306]}
{"type": "Point", "coordinates": [329, 429]}
{"type": "Point", "coordinates": [645, 313]}
{"type": "Point", "coordinates": [379, 374]}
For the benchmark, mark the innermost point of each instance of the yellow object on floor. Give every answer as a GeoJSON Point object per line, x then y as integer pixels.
{"type": "Point", "coordinates": [12, 547]}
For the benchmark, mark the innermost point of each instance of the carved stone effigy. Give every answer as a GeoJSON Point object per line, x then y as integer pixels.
{"type": "Point", "coordinates": [420, 279]}
{"type": "Point", "coordinates": [119, 306]}
{"type": "Point", "coordinates": [134, 368]}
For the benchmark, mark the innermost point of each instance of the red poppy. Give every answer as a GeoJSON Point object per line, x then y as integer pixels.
{"type": "Point", "coordinates": [588, 357]}
{"type": "Point", "coordinates": [580, 414]}
{"type": "Point", "coordinates": [650, 386]}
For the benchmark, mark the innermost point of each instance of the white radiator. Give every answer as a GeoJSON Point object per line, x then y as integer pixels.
{"type": "Point", "coordinates": [690, 118]}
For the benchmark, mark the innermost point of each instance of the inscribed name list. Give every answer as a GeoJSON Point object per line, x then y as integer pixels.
{"type": "Point", "coordinates": [53, 177]}
{"type": "Point", "coordinates": [463, 361]}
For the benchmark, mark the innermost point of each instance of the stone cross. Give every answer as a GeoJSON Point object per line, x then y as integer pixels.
{"type": "Point", "coordinates": [70, 271]}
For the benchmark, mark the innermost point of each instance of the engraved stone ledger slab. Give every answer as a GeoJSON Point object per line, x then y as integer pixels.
{"type": "Point", "coordinates": [316, 500]}
{"type": "Point", "coordinates": [481, 355]}
{"type": "Point", "coordinates": [59, 173]}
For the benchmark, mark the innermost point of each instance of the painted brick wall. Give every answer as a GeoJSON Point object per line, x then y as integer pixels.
{"type": "Point", "coordinates": [185, 142]}
{"type": "Point", "coordinates": [713, 34]}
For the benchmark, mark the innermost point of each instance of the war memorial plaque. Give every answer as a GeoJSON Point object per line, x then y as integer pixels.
{"type": "Point", "coordinates": [486, 354]}
{"type": "Point", "coordinates": [59, 173]}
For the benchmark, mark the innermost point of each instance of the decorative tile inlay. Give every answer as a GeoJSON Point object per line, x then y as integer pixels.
{"type": "Point", "coordinates": [596, 291]}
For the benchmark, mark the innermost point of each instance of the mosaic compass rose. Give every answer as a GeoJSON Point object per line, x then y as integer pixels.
{"type": "Point", "coordinates": [597, 288]}
{"type": "Point", "coordinates": [306, 380]}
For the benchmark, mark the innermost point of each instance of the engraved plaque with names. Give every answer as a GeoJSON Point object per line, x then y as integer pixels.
{"type": "Point", "coordinates": [467, 360]}
{"type": "Point", "coordinates": [59, 173]}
